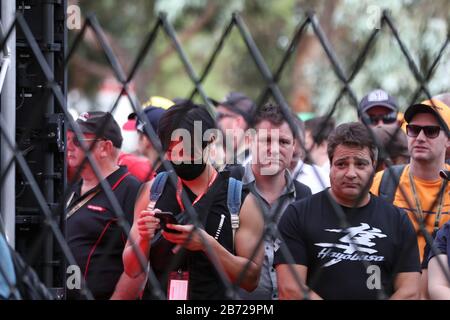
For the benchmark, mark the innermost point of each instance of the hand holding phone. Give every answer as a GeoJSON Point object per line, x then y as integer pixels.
{"type": "Point", "coordinates": [165, 218]}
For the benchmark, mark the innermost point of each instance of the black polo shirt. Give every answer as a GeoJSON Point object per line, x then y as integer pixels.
{"type": "Point", "coordinates": [95, 238]}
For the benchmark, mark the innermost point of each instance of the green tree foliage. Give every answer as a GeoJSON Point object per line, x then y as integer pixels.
{"type": "Point", "coordinates": [308, 82]}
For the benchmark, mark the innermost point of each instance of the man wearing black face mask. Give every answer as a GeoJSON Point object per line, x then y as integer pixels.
{"type": "Point", "coordinates": [181, 131]}
{"type": "Point", "coordinates": [188, 171]}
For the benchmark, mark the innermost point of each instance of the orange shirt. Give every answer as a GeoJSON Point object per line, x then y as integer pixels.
{"type": "Point", "coordinates": [427, 192]}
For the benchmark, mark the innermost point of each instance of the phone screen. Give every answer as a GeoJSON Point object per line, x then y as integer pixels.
{"type": "Point", "coordinates": [165, 218]}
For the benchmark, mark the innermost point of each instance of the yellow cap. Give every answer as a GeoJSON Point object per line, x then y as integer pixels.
{"type": "Point", "coordinates": [157, 101]}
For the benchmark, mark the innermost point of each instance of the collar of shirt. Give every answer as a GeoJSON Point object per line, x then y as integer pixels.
{"type": "Point", "coordinates": [111, 180]}
{"type": "Point", "coordinates": [249, 179]}
{"type": "Point", "coordinates": [299, 168]}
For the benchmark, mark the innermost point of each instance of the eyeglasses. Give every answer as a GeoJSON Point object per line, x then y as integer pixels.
{"type": "Point", "coordinates": [430, 131]}
{"type": "Point", "coordinates": [77, 143]}
{"type": "Point", "coordinates": [386, 118]}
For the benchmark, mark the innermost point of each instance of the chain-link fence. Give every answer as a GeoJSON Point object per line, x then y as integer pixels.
{"type": "Point", "coordinates": [271, 91]}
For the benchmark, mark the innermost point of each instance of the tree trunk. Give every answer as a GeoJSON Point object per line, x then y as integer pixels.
{"type": "Point", "coordinates": [308, 52]}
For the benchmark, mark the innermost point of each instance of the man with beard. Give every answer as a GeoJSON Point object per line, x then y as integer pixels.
{"type": "Point", "coordinates": [346, 243]}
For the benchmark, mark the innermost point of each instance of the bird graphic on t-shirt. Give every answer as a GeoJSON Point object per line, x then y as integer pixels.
{"type": "Point", "coordinates": [357, 239]}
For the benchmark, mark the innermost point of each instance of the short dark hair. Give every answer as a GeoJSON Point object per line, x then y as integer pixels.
{"type": "Point", "coordinates": [182, 116]}
{"type": "Point", "coordinates": [320, 128]}
{"type": "Point", "coordinates": [353, 134]}
{"type": "Point", "coordinates": [272, 112]}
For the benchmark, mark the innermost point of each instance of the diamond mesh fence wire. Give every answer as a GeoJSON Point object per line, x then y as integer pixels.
{"type": "Point", "coordinates": [271, 91]}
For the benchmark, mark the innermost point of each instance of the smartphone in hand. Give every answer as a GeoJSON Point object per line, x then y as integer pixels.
{"type": "Point", "coordinates": [165, 218]}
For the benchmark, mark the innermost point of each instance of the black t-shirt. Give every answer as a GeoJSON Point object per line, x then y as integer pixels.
{"type": "Point", "coordinates": [94, 237]}
{"type": "Point", "coordinates": [204, 281]}
{"type": "Point", "coordinates": [312, 232]}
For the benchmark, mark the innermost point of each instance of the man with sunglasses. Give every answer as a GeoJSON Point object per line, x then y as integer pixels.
{"type": "Point", "coordinates": [378, 108]}
{"type": "Point", "coordinates": [93, 231]}
{"type": "Point", "coordinates": [419, 189]}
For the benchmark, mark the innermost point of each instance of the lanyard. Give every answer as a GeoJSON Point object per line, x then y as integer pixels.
{"type": "Point", "coordinates": [80, 204]}
{"type": "Point", "coordinates": [180, 187]}
{"type": "Point", "coordinates": [419, 207]}
{"type": "Point", "coordinates": [90, 196]}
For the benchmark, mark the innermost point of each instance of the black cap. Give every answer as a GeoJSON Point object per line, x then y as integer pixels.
{"type": "Point", "coordinates": [239, 103]}
{"type": "Point", "coordinates": [377, 98]}
{"type": "Point", "coordinates": [101, 124]}
{"type": "Point", "coordinates": [435, 107]}
{"type": "Point", "coordinates": [153, 114]}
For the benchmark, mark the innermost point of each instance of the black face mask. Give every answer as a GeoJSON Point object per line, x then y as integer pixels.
{"type": "Point", "coordinates": [189, 171]}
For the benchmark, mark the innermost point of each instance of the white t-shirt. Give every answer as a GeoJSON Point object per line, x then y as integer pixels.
{"type": "Point", "coordinates": [313, 176]}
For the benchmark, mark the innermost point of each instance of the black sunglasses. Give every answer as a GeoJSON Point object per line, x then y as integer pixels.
{"type": "Point", "coordinates": [386, 118]}
{"type": "Point", "coordinates": [430, 131]}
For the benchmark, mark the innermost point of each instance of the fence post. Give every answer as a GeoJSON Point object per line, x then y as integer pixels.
{"type": "Point", "coordinates": [8, 111]}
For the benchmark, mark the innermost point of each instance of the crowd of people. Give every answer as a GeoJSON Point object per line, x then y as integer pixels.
{"type": "Point", "coordinates": [255, 204]}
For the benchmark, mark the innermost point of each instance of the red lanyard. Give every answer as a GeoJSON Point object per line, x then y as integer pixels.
{"type": "Point", "coordinates": [179, 188]}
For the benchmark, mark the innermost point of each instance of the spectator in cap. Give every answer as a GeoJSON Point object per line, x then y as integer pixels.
{"type": "Point", "coordinates": [96, 126]}
{"type": "Point", "coordinates": [129, 133]}
{"type": "Point", "coordinates": [154, 101]}
{"type": "Point", "coordinates": [152, 115]}
{"type": "Point", "coordinates": [143, 163]}
{"type": "Point", "coordinates": [92, 228]}
{"type": "Point", "coordinates": [378, 108]}
{"type": "Point", "coordinates": [421, 192]}
{"type": "Point", "coordinates": [234, 117]}
{"type": "Point", "coordinates": [394, 144]}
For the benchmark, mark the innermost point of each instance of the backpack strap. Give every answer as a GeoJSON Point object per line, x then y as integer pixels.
{"type": "Point", "coordinates": [155, 193]}
{"type": "Point", "coordinates": [157, 188]}
{"type": "Point", "coordinates": [389, 183]}
{"type": "Point", "coordinates": [234, 203]}
{"type": "Point", "coordinates": [237, 171]}
{"type": "Point", "coordinates": [301, 191]}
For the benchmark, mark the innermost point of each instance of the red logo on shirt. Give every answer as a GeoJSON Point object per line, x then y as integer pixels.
{"type": "Point", "coordinates": [96, 208]}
